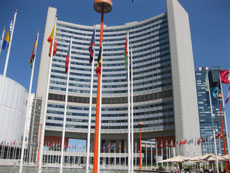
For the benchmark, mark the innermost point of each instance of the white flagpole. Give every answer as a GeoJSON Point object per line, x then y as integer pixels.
{"type": "Point", "coordinates": [7, 56]}
{"type": "Point", "coordinates": [99, 140]}
{"type": "Point", "coordinates": [90, 108]}
{"type": "Point", "coordinates": [132, 143]}
{"type": "Point", "coordinates": [3, 33]}
{"type": "Point", "coordinates": [212, 116]}
{"type": "Point", "coordinates": [46, 101]}
{"type": "Point", "coordinates": [65, 109]}
{"type": "Point", "coordinates": [129, 148]}
{"type": "Point", "coordinates": [28, 107]}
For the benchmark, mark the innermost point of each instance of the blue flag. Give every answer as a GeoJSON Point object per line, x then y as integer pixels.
{"type": "Point", "coordinates": [6, 40]}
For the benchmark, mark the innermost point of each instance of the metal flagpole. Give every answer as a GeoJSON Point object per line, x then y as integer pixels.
{"type": "Point", "coordinates": [100, 6]}
{"type": "Point", "coordinates": [3, 33]}
{"type": "Point", "coordinates": [212, 115]}
{"type": "Point", "coordinates": [129, 149]}
{"type": "Point", "coordinates": [90, 107]}
{"type": "Point", "coordinates": [65, 109]}
{"type": "Point", "coordinates": [27, 109]}
{"type": "Point", "coordinates": [7, 56]}
{"type": "Point", "coordinates": [46, 102]}
{"type": "Point", "coordinates": [132, 138]}
{"type": "Point", "coordinates": [99, 139]}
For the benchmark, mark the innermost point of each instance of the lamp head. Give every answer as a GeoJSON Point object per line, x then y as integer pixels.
{"type": "Point", "coordinates": [105, 4]}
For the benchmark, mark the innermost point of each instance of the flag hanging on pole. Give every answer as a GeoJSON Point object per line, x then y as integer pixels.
{"type": "Point", "coordinates": [99, 60]}
{"type": "Point", "coordinates": [6, 40]}
{"type": "Point", "coordinates": [11, 27]}
{"type": "Point", "coordinates": [92, 43]}
{"type": "Point", "coordinates": [225, 76]}
{"type": "Point", "coordinates": [67, 59]}
{"type": "Point", "coordinates": [50, 40]}
{"type": "Point", "coordinates": [34, 51]}
{"type": "Point", "coordinates": [126, 52]}
{"type": "Point", "coordinates": [226, 101]}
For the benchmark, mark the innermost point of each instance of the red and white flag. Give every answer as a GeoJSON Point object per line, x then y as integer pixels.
{"type": "Point", "coordinates": [225, 76]}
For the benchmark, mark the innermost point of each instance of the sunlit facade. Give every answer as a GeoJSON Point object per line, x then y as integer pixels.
{"type": "Point", "coordinates": [158, 94]}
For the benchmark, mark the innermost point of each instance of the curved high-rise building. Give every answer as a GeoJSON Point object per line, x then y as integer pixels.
{"type": "Point", "coordinates": [164, 89]}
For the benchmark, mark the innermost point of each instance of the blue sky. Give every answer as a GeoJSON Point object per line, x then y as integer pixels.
{"type": "Point", "coordinates": [209, 22]}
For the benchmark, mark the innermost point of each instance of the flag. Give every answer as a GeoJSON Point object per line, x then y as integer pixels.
{"type": "Point", "coordinates": [219, 135]}
{"type": "Point", "coordinates": [126, 52]}
{"type": "Point", "coordinates": [6, 40]}
{"type": "Point", "coordinates": [206, 82]}
{"type": "Point", "coordinates": [226, 101]}
{"type": "Point", "coordinates": [225, 76]}
{"type": "Point", "coordinates": [67, 60]}
{"type": "Point", "coordinates": [99, 59]}
{"type": "Point", "coordinates": [11, 26]}
{"type": "Point", "coordinates": [34, 51]}
{"type": "Point", "coordinates": [92, 43]}
{"type": "Point", "coordinates": [184, 142]}
{"type": "Point", "coordinates": [50, 40]}
{"type": "Point", "coordinates": [215, 92]}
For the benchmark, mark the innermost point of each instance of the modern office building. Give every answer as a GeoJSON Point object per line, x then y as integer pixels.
{"type": "Point", "coordinates": [204, 100]}
{"type": "Point", "coordinates": [164, 93]}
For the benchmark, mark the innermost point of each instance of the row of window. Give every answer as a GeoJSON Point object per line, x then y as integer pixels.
{"type": "Point", "coordinates": [113, 100]}
{"type": "Point", "coordinates": [112, 109]}
{"type": "Point", "coordinates": [133, 30]}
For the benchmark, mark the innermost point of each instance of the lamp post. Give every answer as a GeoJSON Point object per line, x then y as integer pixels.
{"type": "Point", "coordinates": [219, 96]}
{"type": "Point", "coordinates": [100, 6]}
{"type": "Point", "coordinates": [140, 124]}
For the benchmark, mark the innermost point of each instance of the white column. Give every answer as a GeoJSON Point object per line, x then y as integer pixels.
{"type": "Point", "coordinates": [28, 108]}
{"type": "Point", "coordinates": [46, 102]}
